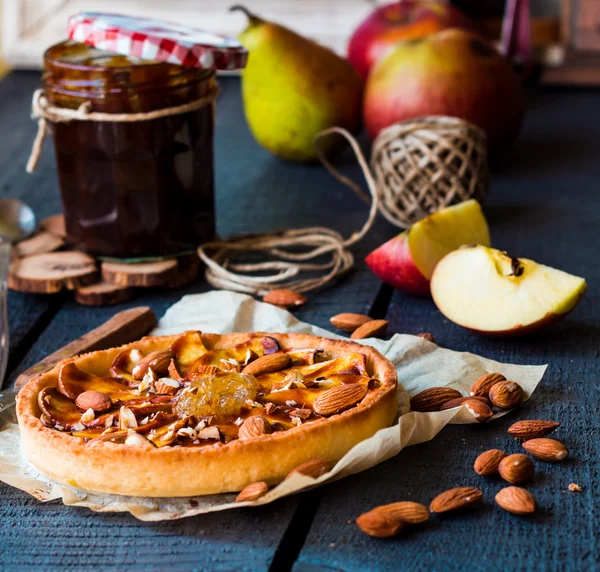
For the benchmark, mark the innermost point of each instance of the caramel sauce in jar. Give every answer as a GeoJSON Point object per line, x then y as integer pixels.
{"type": "Point", "coordinates": [132, 189]}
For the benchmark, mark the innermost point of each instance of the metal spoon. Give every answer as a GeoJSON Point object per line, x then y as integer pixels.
{"type": "Point", "coordinates": [17, 222]}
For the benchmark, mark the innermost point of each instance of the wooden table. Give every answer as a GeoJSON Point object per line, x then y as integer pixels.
{"type": "Point", "coordinates": [544, 204]}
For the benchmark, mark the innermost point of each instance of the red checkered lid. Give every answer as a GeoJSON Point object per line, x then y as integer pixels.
{"type": "Point", "coordinates": [156, 40]}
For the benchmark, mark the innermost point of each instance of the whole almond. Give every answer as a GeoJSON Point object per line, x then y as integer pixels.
{"type": "Point", "coordinates": [379, 524]}
{"type": "Point", "coordinates": [455, 499]}
{"type": "Point", "coordinates": [157, 361]}
{"type": "Point", "coordinates": [339, 398]}
{"type": "Point", "coordinates": [516, 500]}
{"type": "Point", "coordinates": [427, 336]}
{"type": "Point", "coordinates": [433, 398]}
{"type": "Point", "coordinates": [348, 322]}
{"type": "Point", "coordinates": [487, 463]}
{"type": "Point", "coordinates": [546, 449]}
{"type": "Point", "coordinates": [269, 363]}
{"type": "Point", "coordinates": [313, 468]}
{"type": "Point", "coordinates": [484, 383]}
{"type": "Point", "coordinates": [407, 511]}
{"type": "Point", "coordinates": [254, 426]}
{"type": "Point", "coordinates": [460, 400]}
{"type": "Point", "coordinates": [284, 297]}
{"type": "Point", "coordinates": [371, 329]}
{"type": "Point", "coordinates": [252, 491]}
{"type": "Point", "coordinates": [532, 429]}
{"type": "Point", "coordinates": [482, 412]}
{"type": "Point", "coordinates": [506, 394]}
{"type": "Point", "coordinates": [95, 400]}
{"type": "Point", "coordinates": [516, 468]}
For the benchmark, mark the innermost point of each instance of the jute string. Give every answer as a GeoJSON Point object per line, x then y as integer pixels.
{"type": "Point", "coordinates": [291, 252]}
{"type": "Point", "coordinates": [44, 111]}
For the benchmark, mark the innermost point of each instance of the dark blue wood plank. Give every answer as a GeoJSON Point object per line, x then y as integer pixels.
{"type": "Point", "coordinates": [544, 205]}
{"type": "Point", "coordinates": [255, 192]}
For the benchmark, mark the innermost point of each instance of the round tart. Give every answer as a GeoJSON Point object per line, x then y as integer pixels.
{"type": "Point", "coordinates": [196, 413]}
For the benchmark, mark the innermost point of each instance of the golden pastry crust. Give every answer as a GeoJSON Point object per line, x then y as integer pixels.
{"type": "Point", "coordinates": [142, 470]}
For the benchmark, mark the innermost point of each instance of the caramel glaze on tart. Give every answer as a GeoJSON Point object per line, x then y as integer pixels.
{"type": "Point", "coordinates": [193, 394]}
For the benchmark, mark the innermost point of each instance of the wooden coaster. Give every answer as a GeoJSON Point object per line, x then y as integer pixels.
{"type": "Point", "coordinates": [38, 244]}
{"type": "Point", "coordinates": [55, 225]}
{"type": "Point", "coordinates": [143, 274]}
{"type": "Point", "coordinates": [103, 294]}
{"type": "Point", "coordinates": [188, 268]}
{"type": "Point", "coordinates": [51, 272]}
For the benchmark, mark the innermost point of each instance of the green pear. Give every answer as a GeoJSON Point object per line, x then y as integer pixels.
{"type": "Point", "coordinates": [293, 88]}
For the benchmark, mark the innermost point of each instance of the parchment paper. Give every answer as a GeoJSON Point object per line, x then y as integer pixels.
{"type": "Point", "coordinates": [420, 364]}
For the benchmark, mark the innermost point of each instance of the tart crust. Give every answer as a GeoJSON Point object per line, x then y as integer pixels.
{"type": "Point", "coordinates": [136, 470]}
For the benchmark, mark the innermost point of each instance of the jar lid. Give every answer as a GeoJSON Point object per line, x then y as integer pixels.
{"type": "Point", "coordinates": [156, 40]}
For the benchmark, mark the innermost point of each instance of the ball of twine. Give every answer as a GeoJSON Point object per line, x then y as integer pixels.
{"type": "Point", "coordinates": [426, 164]}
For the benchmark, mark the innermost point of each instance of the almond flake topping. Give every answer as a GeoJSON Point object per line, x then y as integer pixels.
{"type": "Point", "coordinates": [187, 432]}
{"type": "Point", "coordinates": [238, 421]}
{"type": "Point", "coordinates": [88, 416]}
{"type": "Point", "coordinates": [127, 419]}
{"type": "Point", "coordinates": [134, 438]}
{"type": "Point", "coordinates": [109, 421]}
{"type": "Point", "coordinates": [78, 427]}
{"type": "Point", "coordinates": [145, 420]}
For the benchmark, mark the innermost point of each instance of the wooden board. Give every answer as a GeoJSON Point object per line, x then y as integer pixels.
{"type": "Point", "coordinates": [142, 274]}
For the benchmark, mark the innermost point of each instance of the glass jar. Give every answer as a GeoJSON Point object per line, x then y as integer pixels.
{"type": "Point", "coordinates": [132, 189]}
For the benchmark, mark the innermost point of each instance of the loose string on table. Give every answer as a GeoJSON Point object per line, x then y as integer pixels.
{"type": "Point", "coordinates": [291, 252]}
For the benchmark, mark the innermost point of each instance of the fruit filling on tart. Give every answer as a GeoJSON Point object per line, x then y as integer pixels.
{"type": "Point", "coordinates": [192, 396]}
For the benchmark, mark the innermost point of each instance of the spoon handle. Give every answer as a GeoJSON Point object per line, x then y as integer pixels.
{"type": "Point", "coordinates": [4, 262]}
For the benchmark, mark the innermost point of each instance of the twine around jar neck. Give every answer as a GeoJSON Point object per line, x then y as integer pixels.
{"type": "Point", "coordinates": [44, 111]}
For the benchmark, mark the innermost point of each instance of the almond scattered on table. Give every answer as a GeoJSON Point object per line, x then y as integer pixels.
{"type": "Point", "coordinates": [371, 329]}
{"type": "Point", "coordinates": [516, 500]}
{"type": "Point", "coordinates": [455, 499]}
{"type": "Point", "coordinates": [432, 398]}
{"type": "Point", "coordinates": [546, 449]}
{"type": "Point", "coordinates": [348, 322]}
{"type": "Point", "coordinates": [487, 463]}
{"type": "Point", "coordinates": [284, 298]}
{"type": "Point", "coordinates": [408, 511]}
{"type": "Point", "coordinates": [532, 429]}
{"type": "Point", "coordinates": [483, 384]}
{"type": "Point", "coordinates": [506, 394]}
{"type": "Point", "coordinates": [313, 468]}
{"type": "Point", "coordinates": [379, 524]}
{"type": "Point", "coordinates": [252, 491]}
{"type": "Point", "coordinates": [516, 468]}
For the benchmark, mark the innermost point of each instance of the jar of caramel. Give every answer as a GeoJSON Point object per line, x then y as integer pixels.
{"type": "Point", "coordinates": [132, 189]}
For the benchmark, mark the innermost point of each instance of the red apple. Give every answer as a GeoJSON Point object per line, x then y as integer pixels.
{"type": "Point", "coordinates": [387, 25]}
{"type": "Point", "coordinates": [408, 260]}
{"type": "Point", "coordinates": [453, 72]}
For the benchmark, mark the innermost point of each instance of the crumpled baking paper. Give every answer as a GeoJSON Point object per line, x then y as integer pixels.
{"type": "Point", "coordinates": [420, 364]}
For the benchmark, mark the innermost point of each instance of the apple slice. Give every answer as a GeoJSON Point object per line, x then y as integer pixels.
{"type": "Point", "coordinates": [407, 260]}
{"type": "Point", "coordinates": [487, 291]}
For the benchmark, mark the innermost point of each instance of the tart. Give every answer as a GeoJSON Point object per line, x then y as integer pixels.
{"type": "Point", "coordinates": [196, 413]}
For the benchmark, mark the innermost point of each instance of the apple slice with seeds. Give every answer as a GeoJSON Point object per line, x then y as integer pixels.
{"type": "Point", "coordinates": [487, 291]}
